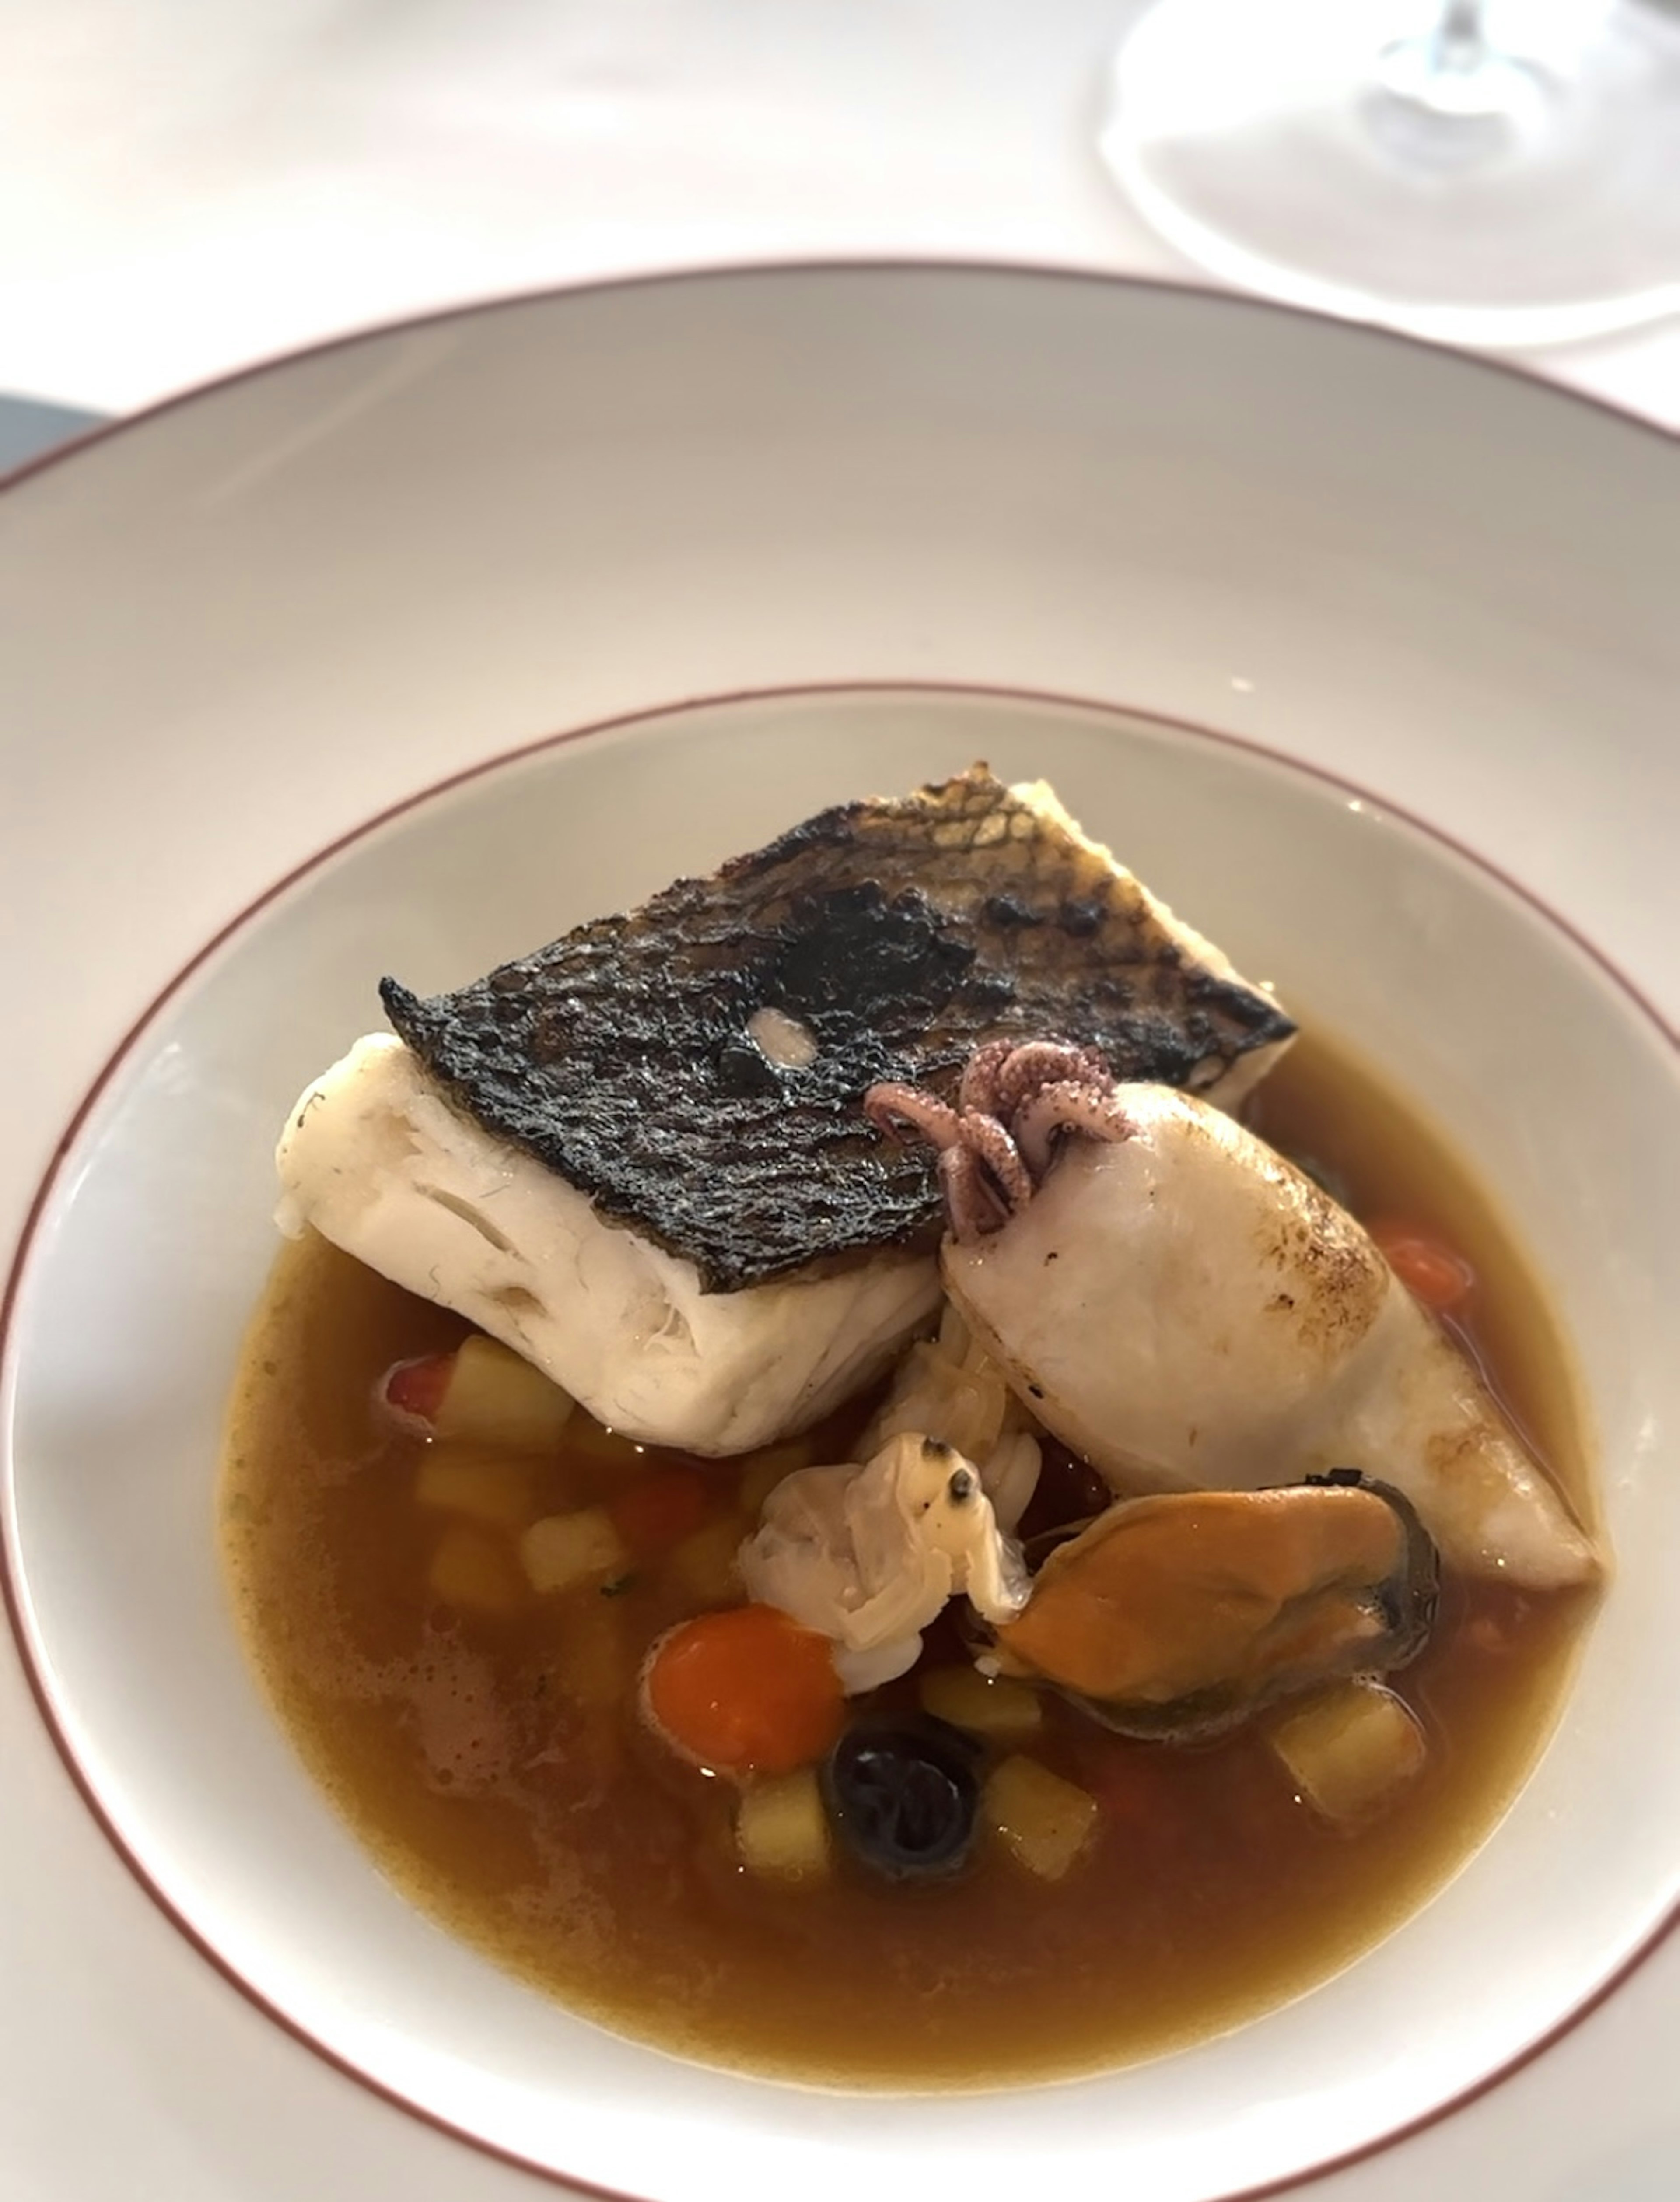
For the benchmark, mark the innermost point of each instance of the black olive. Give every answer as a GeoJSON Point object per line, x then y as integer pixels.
{"type": "Point", "coordinates": [904, 1797]}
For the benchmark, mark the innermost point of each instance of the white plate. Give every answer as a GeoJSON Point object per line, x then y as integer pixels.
{"type": "Point", "coordinates": [246, 623]}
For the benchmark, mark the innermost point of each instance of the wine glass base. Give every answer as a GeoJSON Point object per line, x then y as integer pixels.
{"type": "Point", "coordinates": [1316, 151]}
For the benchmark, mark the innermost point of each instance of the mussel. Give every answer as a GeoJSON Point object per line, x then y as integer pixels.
{"type": "Point", "coordinates": [1177, 1616]}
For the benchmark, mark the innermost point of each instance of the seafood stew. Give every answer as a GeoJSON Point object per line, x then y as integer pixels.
{"type": "Point", "coordinates": [975, 1655]}
{"type": "Point", "coordinates": [490, 1756]}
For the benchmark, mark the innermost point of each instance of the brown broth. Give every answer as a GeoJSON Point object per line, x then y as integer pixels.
{"type": "Point", "coordinates": [494, 1765]}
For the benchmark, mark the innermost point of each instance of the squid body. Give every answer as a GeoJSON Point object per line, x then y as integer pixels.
{"type": "Point", "coordinates": [1188, 1310]}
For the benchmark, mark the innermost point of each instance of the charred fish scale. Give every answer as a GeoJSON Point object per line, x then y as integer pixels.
{"type": "Point", "coordinates": [888, 938]}
{"type": "Point", "coordinates": [648, 1093]}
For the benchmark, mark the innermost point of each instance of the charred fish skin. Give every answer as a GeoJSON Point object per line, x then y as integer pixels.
{"type": "Point", "coordinates": [696, 1066]}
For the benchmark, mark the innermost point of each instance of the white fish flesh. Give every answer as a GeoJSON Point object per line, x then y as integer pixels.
{"type": "Point", "coordinates": [374, 1158]}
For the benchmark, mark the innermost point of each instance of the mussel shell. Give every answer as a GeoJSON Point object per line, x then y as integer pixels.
{"type": "Point", "coordinates": [1406, 1602]}
{"type": "Point", "coordinates": [1411, 1599]}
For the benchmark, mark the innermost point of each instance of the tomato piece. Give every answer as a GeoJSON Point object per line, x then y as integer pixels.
{"type": "Point", "coordinates": [413, 1390]}
{"type": "Point", "coordinates": [658, 1511]}
{"type": "Point", "coordinates": [1428, 1267]}
{"type": "Point", "coordinates": [1128, 1783]}
{"type": "Point", "coordinates": [744, 1691]}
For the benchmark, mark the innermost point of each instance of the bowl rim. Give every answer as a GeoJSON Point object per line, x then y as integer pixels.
{"type": "Point", "coordinates": [1081, 273]}
{"type": "Point", "coordinates": [65, 1143]}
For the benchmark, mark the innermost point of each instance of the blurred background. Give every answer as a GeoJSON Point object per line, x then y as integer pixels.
{"type": "Point", "coordinates": [188, 185]}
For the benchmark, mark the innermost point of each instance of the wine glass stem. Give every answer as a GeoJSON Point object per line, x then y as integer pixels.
{"type": "Point", "coordinates": [1457, 41]}
{"type": "Point", "coordinates": [1456, 90]}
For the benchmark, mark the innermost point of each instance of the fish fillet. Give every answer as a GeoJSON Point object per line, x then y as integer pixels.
{"type": "Point", "coordinates": [638, 1157]}
{"type": "Point", "coordinates": [377, 1161]}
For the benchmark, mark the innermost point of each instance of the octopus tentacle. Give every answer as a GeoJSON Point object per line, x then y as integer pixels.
{"type": "Point", "coordinates": [979, 1092]}
{"type": "Point", "coordinates": [995, 1145]}
{"type": "Point", "coordinates": [1067, 1106]}
{"type": "Point", "coordinates": [1040, 1062]}
{"type": "Point", "coordinates": [891, 1108]}
{"type": "Point", "coordinates": [972, 1201]}
{"type": "Point", "coordinates": [987, 1139]}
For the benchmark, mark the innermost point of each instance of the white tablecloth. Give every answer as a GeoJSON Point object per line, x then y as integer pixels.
{"type": "Point", "coordinates": [186, 186]}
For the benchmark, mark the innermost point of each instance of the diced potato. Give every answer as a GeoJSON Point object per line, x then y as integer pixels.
{"type": "Point", "coordinates": [705, 1562]}
{"type": "Point", "coordinates": [1351, 1751]}
{"type": "Point", "coordinates": [765, 1470]}
{"type": "Point", "coordinates": [492, 1487]}
{"type": "Point", "coordinates": [474, 1569]}
{"type": "Point", "coordinates": [496, 1398]}
{"type": "Point", "coordinates": [562, 1551]}
{"type": "Point", "coordinates": [1002, 1710]}
{"type": "Point", "coordinates": [1043, 1821]}
{"type": "Point", "coordinates": [781, 1830]}
{"type": "Point", "coordinates": [594, 1665]}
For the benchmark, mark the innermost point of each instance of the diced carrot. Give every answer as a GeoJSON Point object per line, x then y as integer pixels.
{"type": "Point", "coordinates": [1428, 1269]}
{"type": "Point", "coordinates": [744, 1691]}
{"type": "Point", "coordinates": [658, 1511]}
{"type": "Point", "coordinates": [413, 1390]}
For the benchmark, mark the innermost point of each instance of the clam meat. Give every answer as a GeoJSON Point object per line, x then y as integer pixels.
{"type": "Point", "coordinates": [869, 1554]}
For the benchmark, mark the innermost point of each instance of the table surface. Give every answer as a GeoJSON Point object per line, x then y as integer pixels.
{"type": "Point", "coordinates": [187, 186]}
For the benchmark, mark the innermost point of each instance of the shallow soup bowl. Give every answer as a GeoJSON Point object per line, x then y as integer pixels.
{"type": "Point", "coordinates": [149, 1249]}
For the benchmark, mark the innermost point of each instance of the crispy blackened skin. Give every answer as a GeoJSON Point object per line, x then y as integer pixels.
{"type": "Point", "coordinates": [900, 933]}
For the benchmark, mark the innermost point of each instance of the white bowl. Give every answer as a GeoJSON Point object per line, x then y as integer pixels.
{"type": "Point", "coordinates": [314, 591]}
{"type": "Point", "coordinates": [151, 1251]}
